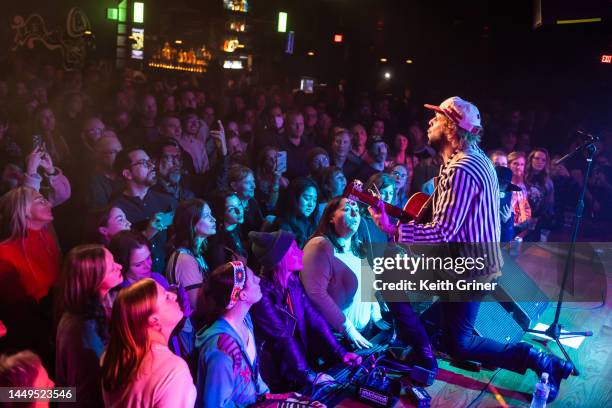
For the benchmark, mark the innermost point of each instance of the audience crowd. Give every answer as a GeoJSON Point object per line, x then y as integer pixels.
{"type": "Point", "coordinates": [161, 245]}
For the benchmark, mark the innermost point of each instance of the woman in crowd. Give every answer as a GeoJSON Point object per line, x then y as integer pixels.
{"type": "Point", "coordinates": [242, 181]}
{"type": "Point", "coordinates": [298, 215]}
{"type": "Point", "coordinates": [289, 354]}
{"type": "Point", "coordinates": [332, 183]}
{"type": "Point", "coordinates": [269, 179]}
{"type": "Point", "coordinates": [138, 369]}
{"type": "Point", "coordinates": [105, 223]}
{"type": "Point", "coordinates": [317, 160]}
{"type": "Point", "coordinates": [399, 173]}
{"type": "Point", "coordinates": [89, 273]}
{"type": "Point", "coordinates": [228, 373]}
{"type": "Point", "coordinates": [228, 243]}
{"type": "Point", "coordinates": [331, 274]}
{"type": "Point", "coordinates": [24, 369]}
{"type": "Point", "coordinates": [499, 158]}
{"type": "Point", "coordinates": [29, 268]}
{"type": "Point", "coordinates": [186, 267]}
{"type": "Point", "coordinates": [369, 234]}
{"type": "Point", "coordinates": [56, 145]}
{"type": "Point", "coordinates": [401, 154]}
{"type": "Point", "coordinates": [131, 250]}
{"type": "Point", "coordinates": [540, 191]}
{"type": "Point", "coordinates": [520, 202]}
{"type": "Point", "coordinates": [29, 255]}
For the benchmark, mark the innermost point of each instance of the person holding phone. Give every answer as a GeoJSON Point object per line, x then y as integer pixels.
{"type": "Point", "coordinates": [269, 179]}
{"type": "Point", "coordinates": [39, 168]}
{"type": "Point", "coordinates": [149, 211]}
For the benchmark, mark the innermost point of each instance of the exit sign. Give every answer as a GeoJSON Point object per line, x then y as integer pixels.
{"type": "Point", "coordinates": [606, 59]}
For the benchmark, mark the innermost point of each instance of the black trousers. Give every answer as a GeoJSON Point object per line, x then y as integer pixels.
{"type": "Point", "coordinates": [457, 327]}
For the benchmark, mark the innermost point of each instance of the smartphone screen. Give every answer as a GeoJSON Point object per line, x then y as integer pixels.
{"type": "Point", "coordinates": [281, 161]}
{"type": "Point", "coordinates": [37, 141]}
{"type": "Point", "coordinates": [167, 218]}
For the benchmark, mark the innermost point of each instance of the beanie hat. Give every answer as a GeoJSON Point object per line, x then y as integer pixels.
{"type": "Point", "coordinates": [270, 247]}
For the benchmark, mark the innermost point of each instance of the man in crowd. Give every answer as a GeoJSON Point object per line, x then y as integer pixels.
{"type": "Point", "coordinates": [149, 211]}
{"type": "Point", "coordinates": [169, 172]}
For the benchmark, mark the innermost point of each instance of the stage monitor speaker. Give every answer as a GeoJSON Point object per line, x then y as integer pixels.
{"type": "Point", "coordinates": [517, 305]}
{"type": "Point", "coordinates": [519, 295]}
{"type": "Point", "coordinates": [492, 321]}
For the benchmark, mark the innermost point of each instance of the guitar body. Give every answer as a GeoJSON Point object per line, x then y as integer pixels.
{"type": "Point", "coordinates": [411, 211]}
{"type": "Point", "coordinates": [415, 205]}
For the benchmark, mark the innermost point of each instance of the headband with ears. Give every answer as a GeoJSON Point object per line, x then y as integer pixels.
{"type": "Point", "coordinates": [239, 281]}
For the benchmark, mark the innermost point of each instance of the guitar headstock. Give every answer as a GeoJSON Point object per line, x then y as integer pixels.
{"type": "Point", "coordinates": [352, 190]}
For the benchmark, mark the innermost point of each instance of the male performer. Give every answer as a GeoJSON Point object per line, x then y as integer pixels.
{"type": "Point", "coordinates": [465, 209]}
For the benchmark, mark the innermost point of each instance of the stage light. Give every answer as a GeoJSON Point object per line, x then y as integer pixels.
{"type": "Point", "coordinates": [112, 14]}
{"type": "Point", "coordinates": [387, 75]}
{"type": "Point", "coordinates": [383, 60]}
{"type": "Point", "coordinates": [178, 41]}
{"type": "Point", "coordinates": [408, 61]}
{"type": "Point", "coordinates": [311, 53]}
{"type": "Point", "coordinates": [338, 38]}
{"type": "Point", "coordinates": [282, 22]}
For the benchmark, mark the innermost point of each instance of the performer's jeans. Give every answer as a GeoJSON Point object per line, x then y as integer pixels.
{"type": "Point", "coordinates": [458, 325]}
{"type": "Point", "coordinates": [459, 340]}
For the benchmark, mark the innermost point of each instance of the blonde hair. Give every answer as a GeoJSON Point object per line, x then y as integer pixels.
{"type": "Point", "coordinates": [129, 339]}
{"type": "Point", "coordinates": [14, 209]}
{"type": "Point", "coordinates": [462, 137]}
{"type": "Point", "coordinates": [515, 155]}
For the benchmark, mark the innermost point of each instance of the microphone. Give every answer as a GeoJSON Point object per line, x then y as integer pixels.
{"type": "Point", "coordinates": [589, 137]}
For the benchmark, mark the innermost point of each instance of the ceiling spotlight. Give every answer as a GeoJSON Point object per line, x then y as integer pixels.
{"type": "Point", "coordinates": [408, 61]}
{"type": "Point", "coordinates": [310, 53]}
{"type": "Point", "coordinates": [383, 60]}
{"type": "Point", "coordinates": [387, 75]}
{"type": "Point", "coordinates": [178, 41]}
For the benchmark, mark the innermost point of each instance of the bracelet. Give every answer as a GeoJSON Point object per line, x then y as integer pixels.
{"type": "Point", "coordinates": [55, 172]}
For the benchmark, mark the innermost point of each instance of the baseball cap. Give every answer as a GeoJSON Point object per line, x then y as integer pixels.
{"type": "Point", "coordinates": [504, 175]}
{"type": "Point", "coordinates": [465, 114]}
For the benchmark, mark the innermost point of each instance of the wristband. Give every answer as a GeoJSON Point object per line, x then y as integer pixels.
{"type": "Point", "coordinates": [55, 172]}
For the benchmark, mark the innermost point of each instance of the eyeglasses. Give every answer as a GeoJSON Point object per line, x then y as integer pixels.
{"type": "Point", "coordinates": [144, 163]}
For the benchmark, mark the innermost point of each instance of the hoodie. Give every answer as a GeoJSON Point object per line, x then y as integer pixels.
{"type": "Point", "coordinates": [226, 377]}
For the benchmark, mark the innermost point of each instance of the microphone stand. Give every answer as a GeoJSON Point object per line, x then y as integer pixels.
{"type": "Point", "coordinates": [554, 330]}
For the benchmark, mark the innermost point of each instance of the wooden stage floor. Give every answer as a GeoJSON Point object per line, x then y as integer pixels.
{"type": "Point", "coordinates": [457, 388]}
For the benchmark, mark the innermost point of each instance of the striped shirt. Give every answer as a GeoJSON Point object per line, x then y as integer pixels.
{"type": "Point", "coordinates": [465, 208]}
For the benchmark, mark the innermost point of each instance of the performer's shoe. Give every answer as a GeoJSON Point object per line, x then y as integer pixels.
{"type": "Point", "coordinates": [557, 369]}
{"type": "Point", "coordinates": [420, 363]}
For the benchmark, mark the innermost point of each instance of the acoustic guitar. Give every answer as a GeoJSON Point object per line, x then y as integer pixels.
{"type": "Point", "coordinates": [411, 211]}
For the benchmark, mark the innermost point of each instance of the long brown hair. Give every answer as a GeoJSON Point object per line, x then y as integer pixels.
{"type": "Point", "coordinates": [187, 215]}
{"type": "Point", "coordinates": [537, 178]}
{"type": "Point", "coordinates": [82, 275]}
{"type": "Point", "coordinates": [129, 340]}
{"type": "Point", "coordinates": [326, 228]}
